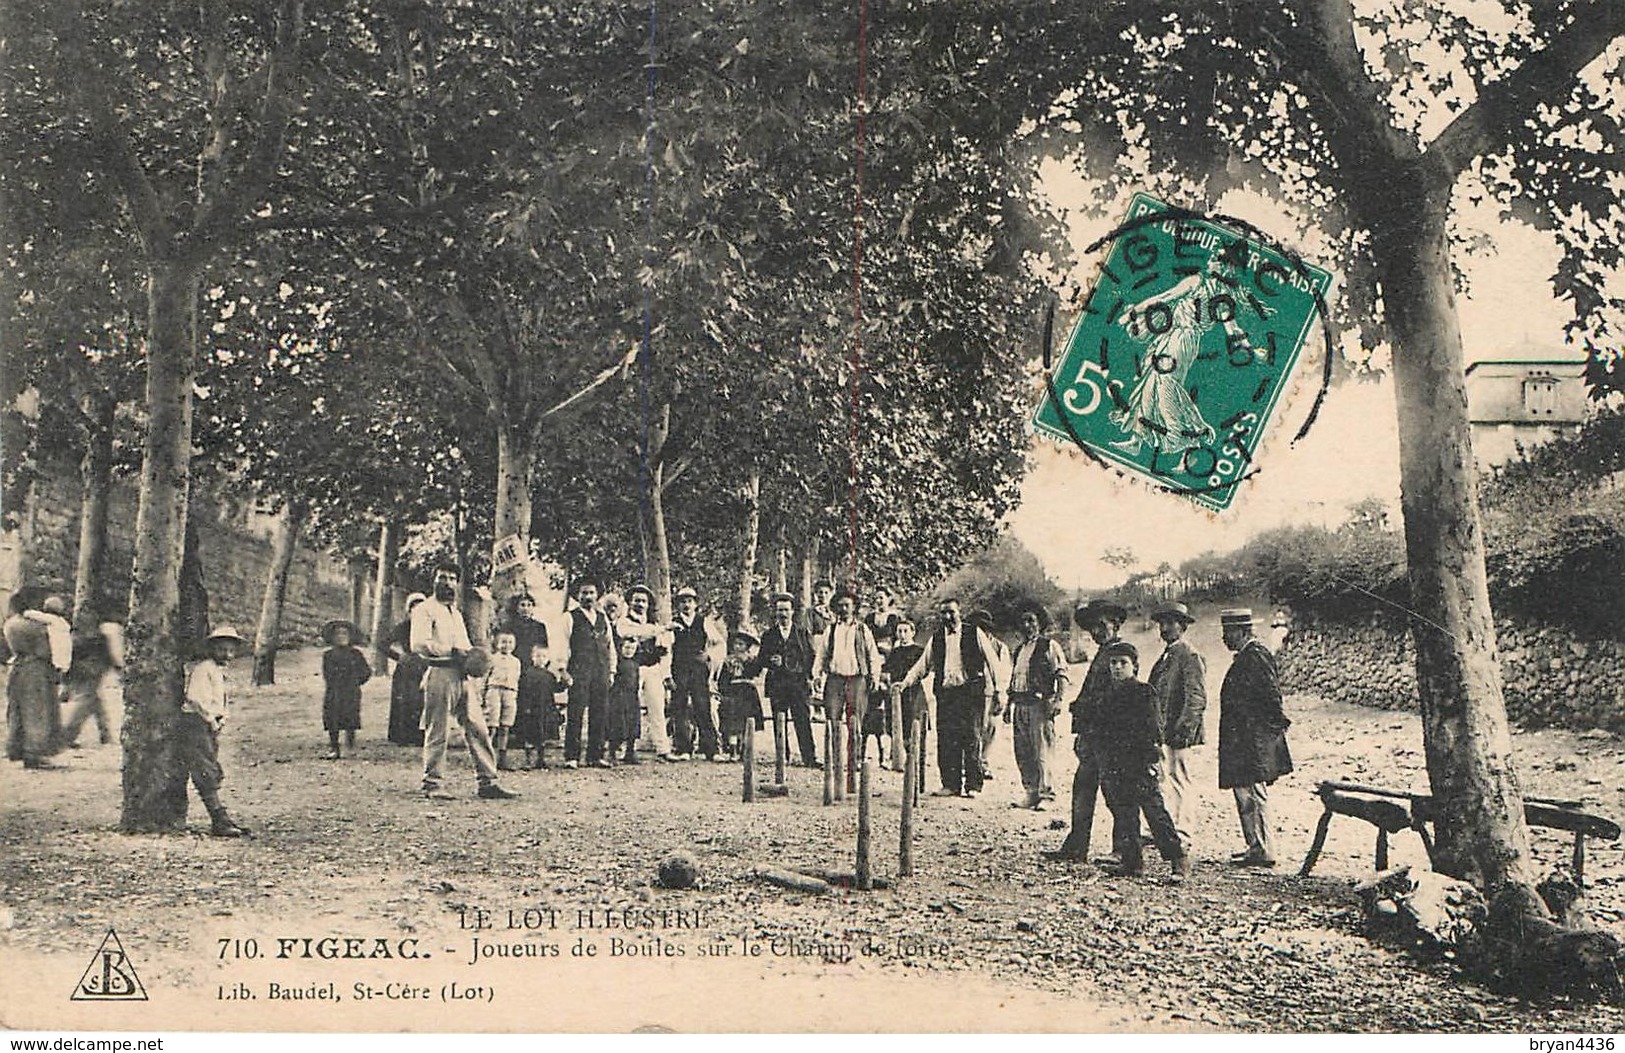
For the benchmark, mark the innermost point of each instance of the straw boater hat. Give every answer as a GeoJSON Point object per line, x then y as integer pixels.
{"type": "Point", "coordinates": [1173, 612]}
{"type": "Point", "coordinates": [640, 590]}
{"type": "Point", "coordinates": [335, 625]}
{"type": "Point", "coordinates": [1087, 613]}
{"type": "Point", "coordinates": [1237, 618]}
{"type": "Point", "coordinates": [226, 632]}
{"type": "Point", "coordinates": [686, 590]}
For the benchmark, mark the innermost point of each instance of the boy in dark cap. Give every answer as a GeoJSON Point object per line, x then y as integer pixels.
{"type": "Point", "coordinates": [1130, 736]}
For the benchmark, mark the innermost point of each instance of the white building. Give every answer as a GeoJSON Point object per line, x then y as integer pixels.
{"type": "Point", "coordinates": [1518, 403]}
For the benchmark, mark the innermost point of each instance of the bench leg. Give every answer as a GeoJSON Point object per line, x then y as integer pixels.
{"type": "Point", "coordinates": [1382, 850]}
{"type": "Point", "coordinates": [1319, 843]}
{"type": "Point", "coordinates": [1580, 859]}
{"type": "Point", "coordinates": [1427, 843]}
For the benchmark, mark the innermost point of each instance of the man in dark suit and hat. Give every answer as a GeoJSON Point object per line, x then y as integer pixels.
{"type": "Point", "coordinates": [1252, 734]}
{"type": "Point", "coordinates": [1179, 682]}
{"type": "Point", "coordinates": [691, 680]}
{"type": "Point", "coordinates": [787, 654]}
{"type": "Point", "coordinates": [1102, 619]}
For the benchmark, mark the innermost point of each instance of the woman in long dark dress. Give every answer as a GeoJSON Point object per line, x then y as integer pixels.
{"type": "Point", "coordinates": [406, 686]}
{"type": "Point", "coordinates": [33, 720]}
{"type": "Point", "coordinates": [344, 670]}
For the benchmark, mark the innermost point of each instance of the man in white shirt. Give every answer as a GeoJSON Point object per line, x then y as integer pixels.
{"type": "Point", "coordinates": [847, 665]}
{"type": "Point", "coordinates": [1038, 677]}
{"type": "Point", "coordinates": [958, 656]}
{"type": "Point", "coordinates": [654, 666]}
{"type": "Point", "coordinates": [440, 637]}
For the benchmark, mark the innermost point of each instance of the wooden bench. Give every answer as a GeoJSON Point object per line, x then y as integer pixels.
{"type": "Point", "coordinates": [1392, 811]}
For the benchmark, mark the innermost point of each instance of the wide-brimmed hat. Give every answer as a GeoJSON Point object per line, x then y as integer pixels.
{"type": "Point", "coordinates": [1087, 614]}
{"type": "Point", "coordinates": [1236, 617]}
{"type": "Point", "coordinates": [226, 632]}
{"type": "Point", "coordinates": [334, 625]}
{"type": "Point", "coordinates": [1173, 611]}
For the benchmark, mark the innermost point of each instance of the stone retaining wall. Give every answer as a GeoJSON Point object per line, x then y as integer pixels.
{"type": "Point", "coordinates": [235, 545]}
{"type": "Point", "coordinates": [1552, 677]}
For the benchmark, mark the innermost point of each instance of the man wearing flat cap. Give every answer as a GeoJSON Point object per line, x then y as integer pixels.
{"type": "Point", "coordinates": [1252, 734]}
{"type": "Point", "coordinates": [787, 655]}
{"type": "Point", "coordinates": [1102, 619]}
{"type": "Point", "coordinates": [847, 665]}
{"type": "Point", "coordinates": [1179, 682]}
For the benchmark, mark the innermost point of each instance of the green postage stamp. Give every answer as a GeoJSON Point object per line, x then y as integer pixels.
{"type": "Point", "coordinates": [1182, 351]}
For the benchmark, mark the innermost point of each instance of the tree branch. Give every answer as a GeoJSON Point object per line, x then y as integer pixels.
{"type": "Point", "coordinates": [1548, 75]}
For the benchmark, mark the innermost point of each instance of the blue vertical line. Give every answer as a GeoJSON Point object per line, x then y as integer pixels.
{"type": "Point", "coordinates": [645, 472]}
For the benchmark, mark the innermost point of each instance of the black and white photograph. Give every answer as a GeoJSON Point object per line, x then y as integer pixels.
{"type": "Point", "coordinates": [789, 517]}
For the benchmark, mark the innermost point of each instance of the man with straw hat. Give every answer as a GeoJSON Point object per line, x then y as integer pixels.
{"type": "Point", "coordinates": [197, 729]}
{"type": "Point", "coordinates": [1252, 734]}
{"type": "Point", "coordinates": [1179, 683]}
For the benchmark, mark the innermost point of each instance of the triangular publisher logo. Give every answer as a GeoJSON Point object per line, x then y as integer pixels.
{"type": "Point", "coordinates": [110, 976]}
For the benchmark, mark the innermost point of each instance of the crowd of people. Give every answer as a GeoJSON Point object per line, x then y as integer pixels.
{"type": "Point", "coordinates": [619, 682]}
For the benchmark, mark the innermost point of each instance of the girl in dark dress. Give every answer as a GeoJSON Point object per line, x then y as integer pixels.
{"type": "Point", "coordinates": [406, 687]}
{"type": "Point", "coordinates": [344, 670]}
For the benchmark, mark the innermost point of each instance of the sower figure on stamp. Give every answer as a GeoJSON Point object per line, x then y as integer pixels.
{"type": "Point", "coordinates": [957, 657]}
{"type": "Point", "coordinates": [690, 707]}
{"type": "Point", "coordinates": [787, 654]}
{"type": "Point", "coordinates": [589, 670]}
{"type": "Point", "coordinates": [1252, 734]}
{"type": "Point", "coordinates": [847, 667]}
{"type": "Point", "coordinates": [440, 638]}
{"type": "Point", "coordinates": [1102, 619]}
{"type": "Point", "coordinates": [1130, 741]}
{"type": "Point", "coordinates": [1037, 682]}
{"type": "Point", "coordinates": [1179, 682]}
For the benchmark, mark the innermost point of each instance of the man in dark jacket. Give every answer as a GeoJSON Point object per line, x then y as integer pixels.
{"type": "Point", "coordinates": [1129, 742]}
{"type": "Point", "coordinates": [1252, 734]}
{"type": "Point", "coordinates": [1102, 619]}
{"type": "Point", "coordinates": [1179, 682]}
{"type": "Point", "coordinates": [787, 655]}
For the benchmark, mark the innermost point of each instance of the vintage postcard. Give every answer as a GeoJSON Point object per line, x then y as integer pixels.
{"type": "Point", "coordinates": [946, 517]}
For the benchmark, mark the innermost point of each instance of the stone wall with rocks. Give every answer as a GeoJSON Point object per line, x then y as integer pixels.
{"type": "Point", "coordinates": [1552, 676]}
{"type": "Point", "coordinates": [235, 544]}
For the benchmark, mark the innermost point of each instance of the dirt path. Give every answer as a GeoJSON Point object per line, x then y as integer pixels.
{"type": "Point", "coordinates": [985, 938]}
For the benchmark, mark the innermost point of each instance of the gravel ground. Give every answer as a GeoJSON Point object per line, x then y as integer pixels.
{"type": "Point", "coordinates": [985, 937]}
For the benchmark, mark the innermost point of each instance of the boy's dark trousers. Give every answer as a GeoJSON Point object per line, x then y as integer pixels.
{"type": "Point", "coordinates": [690, 708]}
{"type": "Point", "coordinates": [589, 698]}
{"type": "Point", "coordinates": [1086, 783]}
{"type": "Point", "coordinates": [1131, 792]}
{"type": "Point", "coordinates": [197, 748]}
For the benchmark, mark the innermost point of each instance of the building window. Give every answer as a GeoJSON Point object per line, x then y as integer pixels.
{"type": "Point", "coordinates": [1540, 395]}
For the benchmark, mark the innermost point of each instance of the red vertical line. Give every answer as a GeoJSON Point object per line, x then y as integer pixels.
{"type": "Point", "coordinates": [644, 359]}
{"type": "Point", "coordinates": [857, 298]}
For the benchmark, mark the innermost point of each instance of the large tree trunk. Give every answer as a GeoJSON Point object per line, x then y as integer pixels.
{"type": "Point", "coordinates": [659, 571]}
{"type": "Point", "coordinates": [1481, 835]}
{"type": "Point", "coordinates": [96, 482]}
{"type": "Point", "coordinates": [383, 598]}
{"type": "Point", "coordinates": [269, 635]}
{"type": "Point", "coordinates": [753, 530]}
{"type": "Point", "coordinates": [512, 517]}
{"type": "Point", "coordinates": [154, 784]}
